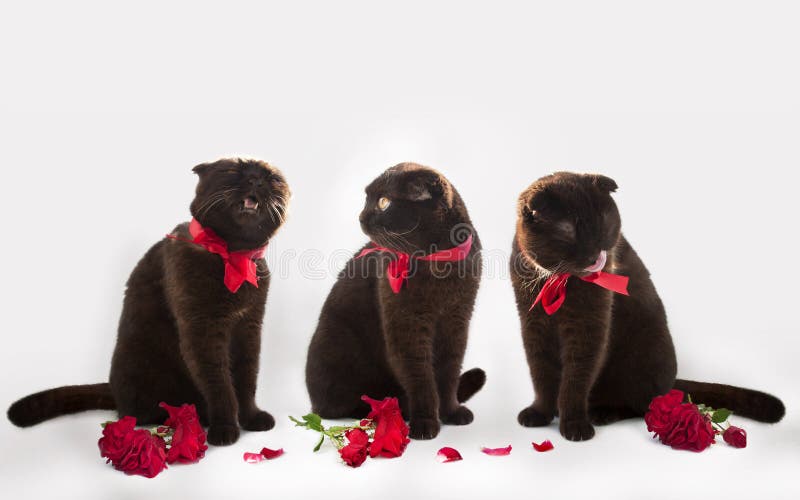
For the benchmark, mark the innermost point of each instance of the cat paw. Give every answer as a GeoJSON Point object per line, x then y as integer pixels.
{"type": "Point", "coordinates": [460, 416]}
{"type": "Point", "coordinates": [531, 417]}
{"type": "Point", "coordinates": [424, 428]}
{"type": "Point", "coordinates": [223, 434]}
{"type": "Point", "coordinates": [258, 421]}
{"type": "Point", "coordinates": [576, 430]}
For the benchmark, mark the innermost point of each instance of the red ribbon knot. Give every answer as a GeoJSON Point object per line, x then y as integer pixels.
{"type": "Point", "coordinates": [554, 290]}
{"type": "Point", "coordinates": [397, 270]}
{"type": "Point", "coordinates": [240, 265]}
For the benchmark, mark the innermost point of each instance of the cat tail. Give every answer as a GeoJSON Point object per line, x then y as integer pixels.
{"type": "Point", "coordinates": [37, 408]}
{"type": "Point", "coordinates": [745, 402]}
{"type": "Point", "coordinates": [470, 382]}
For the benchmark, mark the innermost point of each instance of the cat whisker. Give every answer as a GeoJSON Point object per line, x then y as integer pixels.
{"type": "Point", "coordinates": [214, 199]}
{"type": "Point", "coordinates": [393, 240]}
{"type": "Point", "coordinates": [406, 232]}
{"type": "Point", "coordinates": [278, 209]}
{"type": "Point", "coordinates": [210, 200]}
{"type": "Point", "coordinates": [212, 205]}
{"type": "Point", "coordinates": [543, 274]}
{"type": "Point", "coordinates": [271, 214]}
{"type": "Point", "coordinates": [399, 240]}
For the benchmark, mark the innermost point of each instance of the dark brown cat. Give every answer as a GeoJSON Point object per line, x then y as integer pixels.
{"type": "Point", "coordinates": [602, 356]}
{"type": "Point", "coordinates": [184, 335]}
{"type": "Point", "coordinates": [407, 341]}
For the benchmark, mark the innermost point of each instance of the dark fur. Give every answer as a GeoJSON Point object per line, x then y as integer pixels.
{"type": "Point", "coordinates": [183, 336]}
{"type": "Point", "coordinates": [602, 356]}
{"type": "Point", "coordinates": [372, 341]}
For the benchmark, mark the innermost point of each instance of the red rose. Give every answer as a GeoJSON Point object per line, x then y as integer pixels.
{"type": "Point", "coordinates": [391, 432]}
{"type": "Point", "coordinates": [116, 439]}
{"type": "Point", "coordinates": [735, 436]}
{"type": "Point", "coordinates": [659, 416]}
{"type": "Point", "coordinates": [692, 430]}
{"type": "Point", "coordinates": [146, 455]}
{"type": "Point", "coordinates": [355, 452]}
{"type": "Point", "coordinates": [189, 439]}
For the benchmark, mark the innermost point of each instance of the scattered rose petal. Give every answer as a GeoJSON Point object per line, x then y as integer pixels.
{"type": "Point", "coordinates": [496, 452]}
{"type": "Point", "coordinates": [253, 458]}
{"type": "Point", "coordinates": [448, 454]}
{"type": "Point", "coordinates": [270, 454]}
{"type": "Point", "coordinates": [545, 445]}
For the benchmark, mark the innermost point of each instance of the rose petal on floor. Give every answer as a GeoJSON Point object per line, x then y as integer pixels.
{"type": "Point", "coordinates": [497, 452]}
{"type": "Point", "coordinates": [448, 454]}
{"type": "Point", "coordinates": [270, 454]}
{"type": "Point", "coordinates": [253, 458]}
{"type": "Point", "coordinates": [545, 445]}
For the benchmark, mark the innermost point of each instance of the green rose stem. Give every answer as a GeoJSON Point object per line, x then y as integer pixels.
{"type": "Point", "coordinates": [313, 422]}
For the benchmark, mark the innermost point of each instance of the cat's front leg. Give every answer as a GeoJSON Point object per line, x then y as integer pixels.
{"type": "Point", "coordinates": [583, 345]}
{"type": "Point", "coordinates": [541, 343]}
{"type": "Point", "coordinates": [205, 349]}
{"type": "Point", "coordinates": [245, 351]}
{"type": "Point", "coordinates": [409, 343]}
{"type": "Point", "coordinates": [449, 346]}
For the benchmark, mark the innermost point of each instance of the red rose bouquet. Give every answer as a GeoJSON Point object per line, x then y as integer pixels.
{"type": "Point", "coordinates": [147, 452]}
{"type": "Point", "coordinates": [383, 432]}
{"type": "Point", "coordinates": [689, 426]}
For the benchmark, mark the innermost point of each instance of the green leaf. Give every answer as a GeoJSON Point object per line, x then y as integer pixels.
{"type": "Point", "coordinates": [721, 415]}
{"type": "Point", "coordinates": [297, 423]}
{"type": "Point", "coordinates": [314, 422]}
{"type": "Point", "coordinates": [319, 444]}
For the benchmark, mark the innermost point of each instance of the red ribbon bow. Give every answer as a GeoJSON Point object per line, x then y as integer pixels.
{"type": "Point", "coordinates": [554, 290]}
{"type": "Point", "coordinates": [397, 271]}
{"type": "Point", "coordinates": [240, 265]}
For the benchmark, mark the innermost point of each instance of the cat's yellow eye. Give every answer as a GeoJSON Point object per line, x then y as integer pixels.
{"type": "Point", "coordinates": [384, 203]}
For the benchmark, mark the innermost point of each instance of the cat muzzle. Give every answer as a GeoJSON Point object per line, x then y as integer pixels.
{"type": "Point", "coordinates": [250, 204]}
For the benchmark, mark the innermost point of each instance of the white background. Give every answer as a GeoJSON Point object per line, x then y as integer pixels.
{"type": "Point", "coordinates": [691, 106]}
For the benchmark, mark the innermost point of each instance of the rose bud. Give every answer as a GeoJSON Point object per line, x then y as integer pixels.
{"type": "Point", "coordinates": [735, 436]}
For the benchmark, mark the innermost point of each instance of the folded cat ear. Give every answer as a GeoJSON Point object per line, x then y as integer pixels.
{"type": "Point", "coordinates": [202, 169]}
{"type": "Point", "coordinates": [540, 199]}
{"type": "Point", "coordinates": [205, 168]}
{"type": "Point", "coordinates": [430, 185]}
{"type": "Point", "coordinates": [603, 182]}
